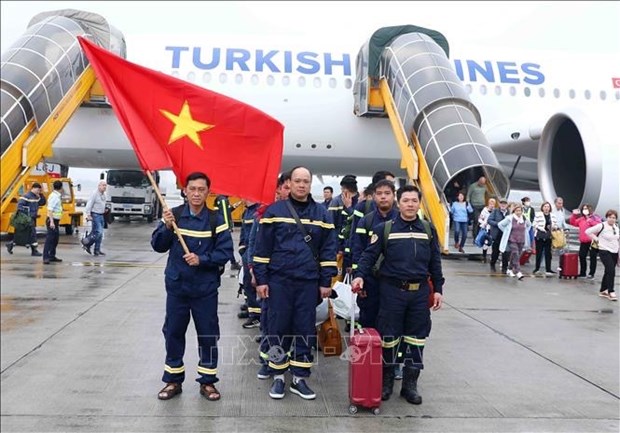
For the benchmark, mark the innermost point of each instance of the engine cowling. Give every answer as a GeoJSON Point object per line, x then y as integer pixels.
{"type": "Point", "coordinates": [578, 158]}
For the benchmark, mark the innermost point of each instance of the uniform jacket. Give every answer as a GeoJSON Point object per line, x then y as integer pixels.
{"type": "Point", "coordinates": [505, 226]}
{"type": "Point", "coordinates": [29, 203]}
{"type": "Point", "coordinates": [409, 255]}
{"type": "Point", "coordinates": [281, 250]}
{"type": "Point", "coordinates": [361, 236]}
{"type": "Point", "coordinates": [339, 215]}
{"type": "Point", "coordinates": [194, 281]}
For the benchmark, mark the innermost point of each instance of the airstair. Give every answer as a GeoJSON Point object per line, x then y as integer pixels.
{"type": "Point", "coordinates": [45, 79]}
{"type": "Point", "coordinates": [404, 73]}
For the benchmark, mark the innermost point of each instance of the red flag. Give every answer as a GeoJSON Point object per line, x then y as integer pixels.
{"type": "Point", "coordinates": [175, 124]}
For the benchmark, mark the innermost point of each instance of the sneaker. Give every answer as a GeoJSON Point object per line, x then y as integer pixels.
{"type": "Point", "coordinates": [590, 277]}
{"type": "Point", "coordinates": [243, 315]}
{"type": "Point", "coordinates": [263, 373]}
{"type": "Point", "coordinates": [519, 275]}
{"type": "Point", "coordinates": [510, 273]}
{"type": "Point", "coordinates": [550, 272]}
{"type": "Point", "coordinates": [613, 296]}
{"type": "Point", "coordinates": [9, 247]}
{"type": "Point", "coordinates": [251, 323]}
{"type": "Point", "coordinates": [604, 294]}
{"type": "Point", "coordinates": [398, 371]}
{"type": "Point", "coordinates": [301, 389]}
{"type": "Point", "coordinates": [277, 389]}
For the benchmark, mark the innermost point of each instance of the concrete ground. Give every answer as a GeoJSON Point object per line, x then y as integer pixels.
{"type": "Point", "coordinates": [82, 350]}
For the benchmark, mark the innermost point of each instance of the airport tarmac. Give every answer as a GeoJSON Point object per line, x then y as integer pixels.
{"type": "Point", "coordinates": [82, 350]}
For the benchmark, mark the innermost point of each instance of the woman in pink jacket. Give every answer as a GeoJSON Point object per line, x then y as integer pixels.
{"type": "Point", "coordinates": [584, 219]}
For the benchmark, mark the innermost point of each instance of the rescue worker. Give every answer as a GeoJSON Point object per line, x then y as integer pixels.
{"type": "Point", "coordinates": [411, 254]}
{"type": "Point", "coordinates": [250, 292]}
{"type": "Point", "coordinates": [384, 198]}
{"type": "Point", "coordinates": [29, 204]}
{"type": "Point", "coordinates": [341, 207]}
{"type": "Point", "coordinates": [192, 281]}
{"type": "Point", "coordinates": [293, 266]}
{"type": "Point", "coordinates": [54, 214]}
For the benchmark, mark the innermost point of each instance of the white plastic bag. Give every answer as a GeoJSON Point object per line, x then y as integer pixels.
{"type": "Point", "coordinates": [322, 312]}
{"type": "Point", "coordinates": [344, 302]}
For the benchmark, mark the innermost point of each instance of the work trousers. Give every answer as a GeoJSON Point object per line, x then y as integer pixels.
{"type": "Point", "coordinates": [254, 310]}
{"type": "Point", "coordinates": [369, 305]}
{"type": "Point", "coordinates": [51, 239]}
{"type": "Point", "coordinates": [204, 312]}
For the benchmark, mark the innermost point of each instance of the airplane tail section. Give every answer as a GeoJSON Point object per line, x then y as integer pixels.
{"type": "Point", "coordinates": [416, 82]}
{"type": "Point", "coordinates": [45, 78]}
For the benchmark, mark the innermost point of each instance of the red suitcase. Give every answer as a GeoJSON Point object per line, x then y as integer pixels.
{"type": "Point", "coordinates": [569, 265]}
{"type": "Point", "coordinates": [365, 369]}
{"type": "Point", "coordinates": [525, 256]}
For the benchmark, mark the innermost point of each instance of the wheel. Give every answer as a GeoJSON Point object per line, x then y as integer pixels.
{"type": "Point", "coordinates": [352, 409]}
{"type": "Point", "coordinates": [68, 229]}
{"type": "Point", "coordinates": [376, 411]}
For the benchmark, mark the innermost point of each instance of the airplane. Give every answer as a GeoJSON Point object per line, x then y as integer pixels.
{"type": "Point", "coordinates": [551, 120]}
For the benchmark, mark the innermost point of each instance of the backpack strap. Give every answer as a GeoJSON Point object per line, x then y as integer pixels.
{"type": "Point", "coordinates": [367, 205]}
{"type": "Point", "coordinates": [386, 233]}
{"type": "Point", "coordinates": [368, 221]}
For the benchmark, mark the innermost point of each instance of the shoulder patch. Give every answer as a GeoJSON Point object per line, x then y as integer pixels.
{"type": "Point", "coordinates": [374, 238]}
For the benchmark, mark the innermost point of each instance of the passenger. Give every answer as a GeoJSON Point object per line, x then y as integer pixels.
{"type": "Point", "coordinates": [192, 281]}
{"type": "Point", "coordinates": [411, 253]}
{"type": "Point", "coordinates": [484, 225]}
{"type": "Point", "coordinates": [584, 219]}
{"type": "Point", "coordinates": [476, 197]}
{"type": "Point", "coordinates": [95, 208]}
{"type": "Point", "coordinates": [515, 239]}
{"type": "Point", "coordinates": [544, 224]}
{"type": "Point", "coordinates": [222, 203]}
{"type": "Point", "coordinates": [29, 204]}
{"type": "Point", "coordinates": [496, 216]}
{"type": "Point", "coordinates": [452, 191]}
{"type": "Point", "coordinates": [254, 309]}
{"type": "Point", "coordinates": [368, 299]}
{"type": "Point", "coordinates": [293, 266]}
{"type": "Point", "coordinates": [328, 194]}
{"type": "Point", "coordinates": [460, 210]}
{"type": "Point", "coordinates": [560, 213]}
{"type": "Point", "coordinates": [529, 213]}
{"type": "Point", "coordinates": [607, 235]}
{"type": "Point", "coordinates": [54, 214]}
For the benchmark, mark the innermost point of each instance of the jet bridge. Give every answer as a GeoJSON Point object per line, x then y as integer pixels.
{"type": "Point", "coordinates": [404, 73]}
{"type": "Point", "coordinates": [45, 78]}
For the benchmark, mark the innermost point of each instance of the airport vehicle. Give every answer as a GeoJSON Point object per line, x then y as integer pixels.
{"type": "Point", "coordinates": [130, 193]}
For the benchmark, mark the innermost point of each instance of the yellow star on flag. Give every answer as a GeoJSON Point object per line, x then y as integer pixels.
{"type": "Point", "coordinates": [184, 125]}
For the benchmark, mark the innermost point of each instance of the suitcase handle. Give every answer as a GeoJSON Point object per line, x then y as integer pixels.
{"type": "Point", "coordinates": [353, 324]}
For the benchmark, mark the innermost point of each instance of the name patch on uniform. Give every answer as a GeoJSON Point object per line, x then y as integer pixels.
{"type": "Point", "coordinates": [374, 238]}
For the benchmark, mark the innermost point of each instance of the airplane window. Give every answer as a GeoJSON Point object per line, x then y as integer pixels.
{"type": "Point", "coordinates": [587, 94]}
{"type": "Point", "coordinates": [298, 145]}
{"type": "Point", "coordinates": [603, 95]}
{"type": "Point", "coordinates": [206, 77]}
{"type": "Point", "coordinates": [286, 80]}
{"type": "Point", "coordinates": [223, 78]}
{"type": "Point", "coordinates": [316, 82]}
{"type": "Point", "coordinates": [329, 146]}
{"type": "Point", "coordinates": [571, 93]}
{"type": "Point", "coordinates": [348, 83]}
{"type": "Point", "coordinates": [468, 88]}
{"type": "Point", "coordinates": [483, 89]}
{"type": "Point", "coordinates": [238, 79]}
{"type": "Point", "coordinates": [301, 81]}
{"type": "Point", "coordinates": [556, 93]}
{"type": "Point", "coordinates": [270, 80]}
{"type": "Point", "coordinates": [527, 91]}
{"type": "Point", "coordinates": [254, 79]}
{"type": "Point", "coordinates": [313, 146]}
{"type": "Point", "coordinates": [498, 90]}
{"type": "Point", "coordinates": [332, 83]}
{"type": "Point", "coordinates": [191, 76]}
{"type": "Point", "coordinates": [513, 91]}
{"type": "Point", "coordinates": [541, 92]}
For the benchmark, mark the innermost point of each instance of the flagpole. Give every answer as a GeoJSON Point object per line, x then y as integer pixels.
{"type": "Point", "coordinates": [164, 206]}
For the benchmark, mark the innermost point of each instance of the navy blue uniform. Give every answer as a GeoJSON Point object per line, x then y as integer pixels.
{"type": "Point", "coordinates": [286, 263]}
{"type": "Point", "coordinates": [29, 203]}
{"type": "Point", "coordinates": [360, 238]}
{"type": "Point", "coordinates": [193, 289]}
{"type": "Point", "coordinates": [254, 309]}
{"type": "Point", "coordinates": [410, 257]}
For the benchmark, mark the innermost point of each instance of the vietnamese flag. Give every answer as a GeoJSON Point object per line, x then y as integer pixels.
{"type": "Point", "coordinates": [175, 124]}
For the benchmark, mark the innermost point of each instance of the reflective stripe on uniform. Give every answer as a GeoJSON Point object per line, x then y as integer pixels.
{"type": "Point", "coordinates": [205, 370]}
{"type": "Point", "coordinates": [301, 364]}
{"type": "Point", "coordinates": [195, 233]}
{"type": "Point", "coordinates": [254, 310]}
{"type": "Point", "coordinates": [358, 213]}
{"type": "Point", "coordinates": [278, 366]}
{"type": "Point", "coordinates": [360, 230]}
{"type": "Point", "coordinates": [388, 344]}
{"type": "Point", "coordinates": [323, 264]}
{"type": "Point", "coordinates": [174, 370]}
{"type": "Point", "coordinates": [264, 260]}
{"type": "Point", "coordinates": [411, 235]}
{"type": "Point", "coordinates": [292, 221]}
{"type": "Point", "coordinates": [414, 341]}
{"type": "Point", "coordinates": [220, 229]}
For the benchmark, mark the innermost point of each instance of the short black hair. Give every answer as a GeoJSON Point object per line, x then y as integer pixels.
{"type": "Point", "coordinates": [384, 182]}
{"type": "Point", "coordinates": [380, 175]}
{"type": "Point", "coordinates": [57, 185]}
{"type": "Point", "coordinates": [369, 190]}
{"type": "Point", "coordinates": [407, 188]}
{"type": "Point", "coordinates": [198, 175]}
{"type": "Point", "coordinates": [283, 178]}
{"type": "Point", "coordinates": [36, 185]}
{"type": "Point", "coordinates": [329, 188]}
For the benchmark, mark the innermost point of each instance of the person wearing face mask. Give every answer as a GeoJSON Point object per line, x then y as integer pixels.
{"type": "Point", "coordinates": [585, 218]}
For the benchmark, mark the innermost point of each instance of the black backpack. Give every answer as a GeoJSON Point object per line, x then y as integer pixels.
{"type": "Point", "coordinates": [177, 211]}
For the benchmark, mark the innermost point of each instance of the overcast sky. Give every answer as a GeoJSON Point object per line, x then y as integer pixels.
{"type": "Point", "coordinates": [592, 27]}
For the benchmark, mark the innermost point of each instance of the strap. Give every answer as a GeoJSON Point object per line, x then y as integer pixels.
{"type": "Point", "coordinates": [368, 221]}
{"type": "Point", "coordinates": [602, 228]}
{"type": "Point", "coordinates": [302, 229]}
{"type": "Point", "coordinates": [386, 234]}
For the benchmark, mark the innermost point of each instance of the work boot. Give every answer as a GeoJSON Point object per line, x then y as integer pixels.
{"type": "Point", "coordinates": [410, 385]}
{"type": "Point", "coordinates": [35, 252]}
{"type": "Point", "coordinates": [9, 247]}
{"type": "Point", "coordinates": [388, 382]}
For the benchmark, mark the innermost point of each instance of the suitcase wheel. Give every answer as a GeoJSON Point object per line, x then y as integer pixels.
{"type": "Point", "coordinates": [376, 411]}
{"type": "Point", "coordinates": [352, 409]}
